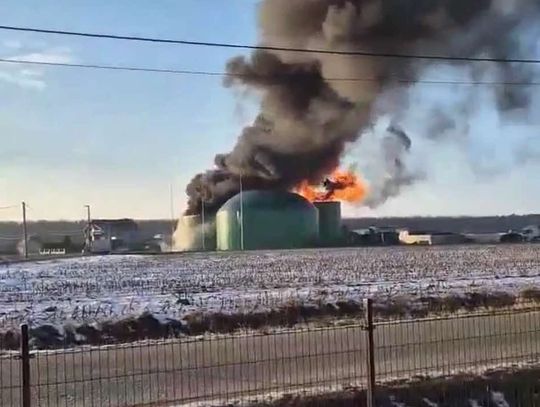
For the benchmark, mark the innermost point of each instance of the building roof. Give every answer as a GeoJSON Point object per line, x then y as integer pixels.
{"type": "Point", "coordinates": [272, 199]}
{"type": "Point", "coordinates": [113, 221]}
{"type": "Point", "coordinates": [374, 229]}
{"type": "Point", "coordinates": [420, 232]}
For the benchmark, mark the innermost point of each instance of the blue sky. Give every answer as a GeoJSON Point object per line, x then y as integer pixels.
{"type": "Point", "coordinates": [118, 140]}
{"type": "Point", "coordinates": [115, 140]}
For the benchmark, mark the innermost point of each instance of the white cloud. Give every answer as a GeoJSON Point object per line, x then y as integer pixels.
{"type": "Point", "coordinates": [21, 80]}
{"type": "Point", "coordinates": [32, 76]}
{"type": "Point", "coordinates": [59, 55]}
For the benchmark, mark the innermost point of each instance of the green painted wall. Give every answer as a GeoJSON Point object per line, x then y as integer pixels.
{"type": "Point", "coordinates": [271, 221]}
{"type": "Point", "coordinates": [330, 231]}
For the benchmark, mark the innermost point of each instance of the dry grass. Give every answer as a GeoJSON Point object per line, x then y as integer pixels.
{"type": "Point", "coordinates": [291, 315]}
{"type": "Point", "coordinates": [502, 388]}
{"type": "Point", "coordinates": [109, 301]}
{"type": "Point", "coordinates": [531, 294]}
{"type": "Point", "coordinates": [9, 340]}
{"type": "Point", "coordinates": [93, 290]}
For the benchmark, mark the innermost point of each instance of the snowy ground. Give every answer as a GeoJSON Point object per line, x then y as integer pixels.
{"type": "Point", "coordinates": [88, 290]}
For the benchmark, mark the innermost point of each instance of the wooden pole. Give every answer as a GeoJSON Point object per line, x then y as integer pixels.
{"type": "Point", "coordinates": [25, 230]}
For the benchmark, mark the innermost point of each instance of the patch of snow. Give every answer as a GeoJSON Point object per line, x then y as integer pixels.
{"type": "Point", "coordinates": [499, 399]}
{"type": "Point", "coordinates": [94, 289]}
{"type": "Point", "coordinates": [429, 402]}
{"type": "Point", "coordinates": [396, 403]}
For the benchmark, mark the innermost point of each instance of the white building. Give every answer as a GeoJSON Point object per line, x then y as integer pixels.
{"type": "Point", "coordinates": [412, 238]}
{"type": "Point", "coordinates": [431, 238]}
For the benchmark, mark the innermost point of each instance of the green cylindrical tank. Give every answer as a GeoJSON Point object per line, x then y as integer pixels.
{"type": "Point", "coordinates": [330, 228]}
{"type": "Point", "coordinates": [191, 235]}
{"type": "Point", "coordinates": [270, 219]}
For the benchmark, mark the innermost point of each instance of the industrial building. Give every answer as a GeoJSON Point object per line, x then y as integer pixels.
{"type": "Point", "coordinates": [446, 238]}
{"type": "Point", "coordinates": [414, 238]}
{"type": "Point", "coordinates": [277, 219]}
{"type": "Point", "coordinates": [374, 236]}
{"type": "Point", "coordinates": [484, 238]}
{"type": "Point", "coordinates": [330, 225]}
{"type": "Point", "coordinates": [109, 235]}
{"type": "Point", "coordinates": [266, 219]}
{"type": "Point", "coordinates": [431, 238]}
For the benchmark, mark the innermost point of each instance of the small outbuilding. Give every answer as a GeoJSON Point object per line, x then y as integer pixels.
{"type": "Point", "coordinates": [374, 236]}
{"type": "Point", "coordinates": [110, 235]}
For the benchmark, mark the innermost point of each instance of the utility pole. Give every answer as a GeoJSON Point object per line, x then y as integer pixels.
{"type": "Point", "coordinates": [88, 222]}
{"type": "Point", "coordinates": [241, 215]}
{"type": "Point", "coordinates": [25, 230]}
{"type": "Point", "coordinates": [202, 225]}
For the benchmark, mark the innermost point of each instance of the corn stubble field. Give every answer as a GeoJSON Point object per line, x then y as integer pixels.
{"type": "Point", "coordinates": [128, 297]}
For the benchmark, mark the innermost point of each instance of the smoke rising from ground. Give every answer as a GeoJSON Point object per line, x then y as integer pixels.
{"type": "Point", "coordinates": [189, 234]}
{"type": "Point", "coordinates": [307, 119]}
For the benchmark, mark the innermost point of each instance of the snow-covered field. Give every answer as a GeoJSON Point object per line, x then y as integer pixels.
{"type": "Point", "coordinates": [89, 290]}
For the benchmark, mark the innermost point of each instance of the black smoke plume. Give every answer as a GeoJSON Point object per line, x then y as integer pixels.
{"type": "Point", "coordinates": [309, 114]}
{"type": "Point", "coordinates": [395, 146]}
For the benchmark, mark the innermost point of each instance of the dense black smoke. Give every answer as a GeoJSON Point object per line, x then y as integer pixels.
{"type": "Point", "coordinates": [309, 113]}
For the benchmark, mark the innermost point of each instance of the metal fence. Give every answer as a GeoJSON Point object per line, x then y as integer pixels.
{"type": "Point", "coordinates": [218, 370]}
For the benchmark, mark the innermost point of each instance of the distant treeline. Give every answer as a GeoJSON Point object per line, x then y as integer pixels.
{"type": "Point", "coordinates": [149, 228]}
{"type": "Point", "coordinates": [42, 227]}
{"type": "Point", "coordinates": [462, 224]}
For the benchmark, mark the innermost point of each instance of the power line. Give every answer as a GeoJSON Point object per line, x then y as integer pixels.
{"type": "Point", "coordinates": [8, 207]}
{"type": "Point", "coordinates": [115, 67]}
{"type": "Point", "coordinates": [272, 48]}
{"type": "Point", "coordinates": [228, 74]}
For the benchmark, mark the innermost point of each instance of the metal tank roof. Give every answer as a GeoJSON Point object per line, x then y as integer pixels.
{"type": "Point", "coordinates": [273, 199]}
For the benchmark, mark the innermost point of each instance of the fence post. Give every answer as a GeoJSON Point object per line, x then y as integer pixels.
{"type": "Point", "coordinates": [25, 365]}
{"type": "Point", "coordinates": [370, 352]}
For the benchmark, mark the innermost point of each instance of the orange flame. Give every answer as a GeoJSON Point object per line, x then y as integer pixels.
{"type": "Point", "coordinates": [340, 186]}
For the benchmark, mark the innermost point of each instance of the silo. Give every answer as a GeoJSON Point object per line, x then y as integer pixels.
{"type": "Point", "coordinates": [267, 220]}
{"type": "Point", "coordinates": [190, 235]}
{"type": "Point", "coordinates": [330, 228]}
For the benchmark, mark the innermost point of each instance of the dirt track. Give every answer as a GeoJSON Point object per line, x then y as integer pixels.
{"type": "Point", "coordinates": [329, 358]}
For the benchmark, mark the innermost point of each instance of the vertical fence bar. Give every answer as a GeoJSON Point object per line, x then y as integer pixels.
{"type": "Point", "coordinates": [370, 352]}
{"type": "Point", "coordinates": [25, 365]}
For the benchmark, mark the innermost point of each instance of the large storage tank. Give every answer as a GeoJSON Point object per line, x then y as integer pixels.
{"type": "Point", "coordinates": [191, 235]}
{"type": "Point", "coordinates": [330, 227]}
{"type": "Point", "coordinates": [271, 220]}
